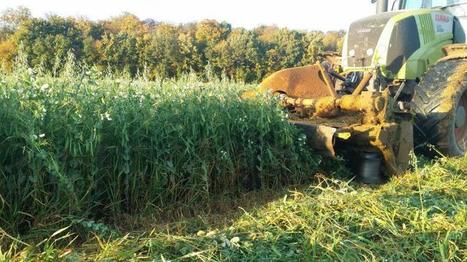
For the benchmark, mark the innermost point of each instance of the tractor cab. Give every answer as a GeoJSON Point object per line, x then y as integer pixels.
{"type": "Point", "coordinates": [457, 8]}
{"type": "Point", "coordinates": [388, 6]}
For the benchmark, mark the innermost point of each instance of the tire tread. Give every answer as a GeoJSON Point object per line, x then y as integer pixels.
{"type": "Point", "coordinates": [432, 123]}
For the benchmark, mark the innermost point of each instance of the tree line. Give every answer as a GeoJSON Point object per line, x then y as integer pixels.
{"type": "Point", "coordinates": [128, 45]}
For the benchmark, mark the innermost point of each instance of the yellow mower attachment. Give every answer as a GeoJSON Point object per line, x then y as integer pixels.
{"type": "Point", "coordinates": [360, 123]}
{"type": "Point", "coordinates": [296, 82]}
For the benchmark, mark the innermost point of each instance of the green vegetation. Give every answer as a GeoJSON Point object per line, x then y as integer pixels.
{"type": "Point", "coordinates": [130, 46]}
{"type": "Point", "coordinates": [82, 146]}
{"type": "Point", "coordinates": [421, 216]}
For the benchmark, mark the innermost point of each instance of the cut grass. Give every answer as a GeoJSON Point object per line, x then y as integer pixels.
{"type": "Point", "coordinates": [419, 216]}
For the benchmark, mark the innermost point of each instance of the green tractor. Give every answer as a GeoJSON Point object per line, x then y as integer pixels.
{"type": "Point", "coordinates": [401, 84]}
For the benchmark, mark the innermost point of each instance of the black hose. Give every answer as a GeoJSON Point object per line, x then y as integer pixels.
{"type": "Point", "coordinates": [336, 75]}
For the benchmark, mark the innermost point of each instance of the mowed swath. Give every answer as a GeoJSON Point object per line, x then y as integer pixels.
{"type": "Point", "coordinates": [89, 146]}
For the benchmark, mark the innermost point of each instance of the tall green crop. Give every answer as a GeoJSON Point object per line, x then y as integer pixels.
{"type": "Point", "coordinates": [99, 147]}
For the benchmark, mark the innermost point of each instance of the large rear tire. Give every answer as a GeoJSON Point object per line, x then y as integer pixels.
{"type": "Point", "coordinates": [440, 104]}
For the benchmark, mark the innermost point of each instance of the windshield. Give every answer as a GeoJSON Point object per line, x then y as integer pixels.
{"type": "Point", "coordinates": [417, 4]}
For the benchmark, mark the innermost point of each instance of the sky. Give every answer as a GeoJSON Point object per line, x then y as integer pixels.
{"type": "Point", "coordinates": [322, 15]}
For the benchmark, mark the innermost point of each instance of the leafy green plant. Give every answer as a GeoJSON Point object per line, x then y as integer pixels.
{"type": "Point", "coordinates": [96, 147]}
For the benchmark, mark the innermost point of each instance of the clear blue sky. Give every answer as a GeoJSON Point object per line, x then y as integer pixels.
{"type": "Point", "coordinates": [295, 14]}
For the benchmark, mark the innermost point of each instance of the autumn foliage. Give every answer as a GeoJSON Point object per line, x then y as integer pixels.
{"type": "Point", "coordinates": [128, 45]}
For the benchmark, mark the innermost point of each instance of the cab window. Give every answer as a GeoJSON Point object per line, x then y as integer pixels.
{"type": "Point", "coordinates": [417, 4]}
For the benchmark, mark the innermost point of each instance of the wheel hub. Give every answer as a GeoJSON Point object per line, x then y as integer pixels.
{"type": "Point", "coordinates": [460, 117]}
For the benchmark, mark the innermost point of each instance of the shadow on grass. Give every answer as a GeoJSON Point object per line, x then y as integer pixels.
{"type": "Point", "coordinates": [325, 220]}
{"type": "Point", "coordinates": [222, 209]}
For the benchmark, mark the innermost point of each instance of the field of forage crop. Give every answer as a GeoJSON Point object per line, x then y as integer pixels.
{"type": "Point", "coordinates": [94, 168]}
{"type": "Point", "coordinates": [83, 146]}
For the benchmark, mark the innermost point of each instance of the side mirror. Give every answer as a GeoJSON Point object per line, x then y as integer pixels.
{"type": "Point", "coordinates": [374, 1]}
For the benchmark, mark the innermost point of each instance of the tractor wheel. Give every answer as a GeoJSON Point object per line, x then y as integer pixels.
{"type": "Point", "coordinates": [440, 104]}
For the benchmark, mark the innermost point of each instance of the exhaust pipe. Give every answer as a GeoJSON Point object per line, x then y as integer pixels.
{"type": "Point", "coordinates": [381, 5]}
